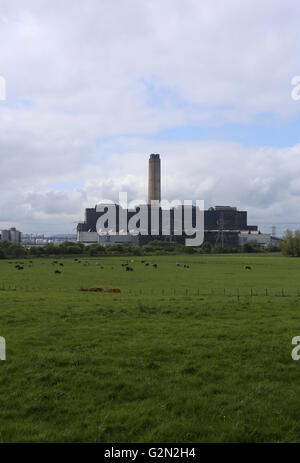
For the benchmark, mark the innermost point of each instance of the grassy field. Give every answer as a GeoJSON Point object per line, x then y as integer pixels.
{"type": "Point", "coordinates": [181, 354]}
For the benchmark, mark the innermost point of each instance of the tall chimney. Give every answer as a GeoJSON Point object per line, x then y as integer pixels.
{"type": "Point", "coordinates": [154, 192]}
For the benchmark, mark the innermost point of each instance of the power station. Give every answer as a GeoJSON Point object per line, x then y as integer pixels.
{"type": "Point", "coordinates": [154, 174]}
{"type": "Point", "coordinates": [223, 225]}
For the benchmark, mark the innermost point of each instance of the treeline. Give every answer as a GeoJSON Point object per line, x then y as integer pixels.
{"type": "Point", "coordinates": [208, 248]}
{"type": "Point", "coordinates": [291, 243]}
{"type": "Point", "coordinates": [8, 250]}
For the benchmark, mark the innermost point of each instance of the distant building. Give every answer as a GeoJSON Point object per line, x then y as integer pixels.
{"type": "Point", "coordinates": [87, 233]}
{"type": "Point", "coordinates": [42, 242]}
{"type": "Point", "coordinates": [262, 240]}
{"type": "Point", "coordinates": [222, 224]}
{"type": "Point", "coordinates": [154, 179]}
{"type": "Point", "coordinates": [11, 236]}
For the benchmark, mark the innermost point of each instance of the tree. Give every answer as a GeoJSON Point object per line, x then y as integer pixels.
{"type": "Point", "coordinates": [287, 246]}
{"type": "Point", "coordinates": [250, 247]}
{"type": "Point", "coordinates": [206, 247]}
{"type": "Point", "coordinates": [95, 250]}
{"type": "Point", "coordinates": [297, 243]}
{"type": "Point", "coordinates": [189, 250]}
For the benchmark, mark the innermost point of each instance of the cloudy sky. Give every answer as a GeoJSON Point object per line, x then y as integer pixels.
{"type": "Point", "coordinates": [93, 87]}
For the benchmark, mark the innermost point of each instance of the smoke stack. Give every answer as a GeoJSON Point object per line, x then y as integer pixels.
{"type": "Point", "coordinates": [154, 192]}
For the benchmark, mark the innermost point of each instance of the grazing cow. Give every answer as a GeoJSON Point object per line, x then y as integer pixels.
{"type": "Point", "coordinates": [155, 265]}
{"type": "Point", "coordinates": [61, 264]}
{"type": "Point", "coordinates": [177, 264]}
{"type": "Point", "coordinates": [247, 267]}
{"type": "Point", "coordinates": [57, 272]}
{"type": "Point", "coordinates": [129, 269]}
{"type": "Point", "coordinates": [146, 264]}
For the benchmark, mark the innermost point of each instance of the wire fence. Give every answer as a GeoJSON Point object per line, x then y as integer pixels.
{"type": "Point", "coordinates": [216, 292]}
{"type": "Point", "coordinates": [179, 292]}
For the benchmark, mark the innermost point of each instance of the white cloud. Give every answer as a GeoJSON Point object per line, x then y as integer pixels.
{"type": "Point", "coordinates": [89, 83]}
{"type": "Point", "coordinates": [262, 181]}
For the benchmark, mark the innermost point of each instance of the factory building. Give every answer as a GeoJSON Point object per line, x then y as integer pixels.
{"type": "Point", "coordinates": [11, 236]}
{"type": "Point", "coordinates": [261, 240]}
{"type": "Point", "coordinates": [222, 224]}
{"type": "Point", "coordinates": [154, 176]}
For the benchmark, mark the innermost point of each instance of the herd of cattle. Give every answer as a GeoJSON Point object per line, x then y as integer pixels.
{"type": "Point", "coordinates": [126, 265]}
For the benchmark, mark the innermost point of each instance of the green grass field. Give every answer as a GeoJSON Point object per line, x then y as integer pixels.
{"type": "Point", "coordinates": [181, 354]}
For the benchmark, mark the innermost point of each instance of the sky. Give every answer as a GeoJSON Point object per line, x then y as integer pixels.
{"type": "Point", "coordinates": [93, 87]}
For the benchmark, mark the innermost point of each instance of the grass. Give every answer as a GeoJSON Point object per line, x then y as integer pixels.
{"type": "Point", "coordinates": [172, 358]}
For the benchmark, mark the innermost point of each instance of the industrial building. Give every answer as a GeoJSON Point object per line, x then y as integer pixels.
{"type": "Point", "coordinates": [261, 240]}
{"type": "Point", "coordinates": [222, 224]}
{"type": "Point", "coordinates": [154, 176]}
{"type": "Point", "coordinates": [11, 236]}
